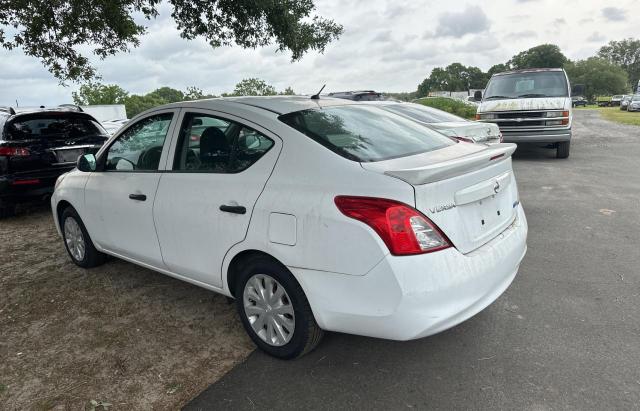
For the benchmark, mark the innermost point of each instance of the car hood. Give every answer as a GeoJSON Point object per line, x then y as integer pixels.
{"type": "Point", "coordinates": [546, 103]}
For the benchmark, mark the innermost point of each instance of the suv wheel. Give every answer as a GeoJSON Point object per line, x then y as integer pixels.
{"type": "Point", "coordinates": [274, 310]}
{"type": "Point", "coordinates": [7, 209]}
{"type": "Point", "coordinates": [563, 149]}
{"type": "Point", "coordinates": [77, 240]}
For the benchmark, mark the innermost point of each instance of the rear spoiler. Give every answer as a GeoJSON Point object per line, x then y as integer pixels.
{"type": "Point", "coordinates": [454, 167]}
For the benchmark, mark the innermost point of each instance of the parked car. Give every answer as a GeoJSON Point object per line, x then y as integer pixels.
{"type": "Point", "coordinates": [446, 123]}
{"type": "Point", "coordinates": [530, 106]}
{"type": "Point", "coordinates": [39, 144]}
{"type": "Point", "coordinates": [634, 104]}
{"type": "Point", "coordinates": [616, 100]}
{"type": "Point", "coordinates": [314, 214]}
{"type": "Point", "coordinates": [603, 101]}
{"type": "Point", "coordinates": [578, 101]}
{"type": "Point", "coordinates": [364, 95]}
{"type": "Point", "coordinates": [624, 104]}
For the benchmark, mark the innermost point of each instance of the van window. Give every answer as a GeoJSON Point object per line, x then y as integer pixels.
{"type": "Point", "coordinates": [527, 85]}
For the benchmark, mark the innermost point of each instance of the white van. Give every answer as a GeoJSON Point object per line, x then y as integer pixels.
{"type": "Point", "coordinates": [530, 106]}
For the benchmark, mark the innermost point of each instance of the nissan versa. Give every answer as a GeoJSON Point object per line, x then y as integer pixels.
{"type": "Point", "coordinates": [313, 213]}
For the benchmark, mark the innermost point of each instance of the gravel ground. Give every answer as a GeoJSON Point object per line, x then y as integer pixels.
{"type": "Point", "coordinates": [564, 336]}
{"type": "Point", "coordinates": [117, 334]}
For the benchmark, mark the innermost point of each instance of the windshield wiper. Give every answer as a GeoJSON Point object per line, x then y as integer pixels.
{"type": "Point", "coordinates": [532, 95]}
{"type": "Point", "coordinates": [493, 97]}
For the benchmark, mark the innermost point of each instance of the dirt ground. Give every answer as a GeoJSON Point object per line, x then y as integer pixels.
{"type": "Point", "coordinates": [118, 335]}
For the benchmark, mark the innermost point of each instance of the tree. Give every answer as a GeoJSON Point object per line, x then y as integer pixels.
{"type": "Point", "coordinates": [194, 93]}
{"type": "Point", "coordinates": [497, 68]}
{"type": "Point", "coordinates": [599, 76]}
{"type": "Point", "coordinates": [625, 53]}
{"type": "Point", "coordinates": [58, 31]}
{"type": "Point", "coordinates": [542, 56]}
{"type": "Point", "coordinates": [288, 91]}
{"type": "Point", "coordinates": [96, 93]}
{"type": "Point", "coordinates": [136, 104]}
{"type": "Point", "coordinates": [167, 94]}
{"type": "Point", "coordinates": [454, 77]}
{"type": "Point", "coordinates": [253, 87]}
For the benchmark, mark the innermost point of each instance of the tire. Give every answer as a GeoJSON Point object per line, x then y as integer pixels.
{"type": "Point", "coordinates": [7, 209]}
{"type": "Point", "coordinates": [563, 149]}
{"type": "Point", "coordinates": [262, 273]}
{"type": "Point", "coordinates": [90, 257]}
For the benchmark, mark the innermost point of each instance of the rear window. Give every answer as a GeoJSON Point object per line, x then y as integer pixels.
{"type": "Point", "coordinates": [423, 113]}
{"type": "Point", "coordinates": [365, 133]}
{"type": "Point", "coordinates": [53, 126]}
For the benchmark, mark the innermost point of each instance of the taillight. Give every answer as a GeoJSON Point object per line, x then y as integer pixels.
{"type": "Point", "coordinates": [14, 152]}
{"type": "Point", "coordinates": [403, 229]}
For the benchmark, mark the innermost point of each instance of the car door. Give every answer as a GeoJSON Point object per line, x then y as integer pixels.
{"type": "Point", "coordinates": [203, 205]}
{"type": "Point", "coordinates": [119, 196]}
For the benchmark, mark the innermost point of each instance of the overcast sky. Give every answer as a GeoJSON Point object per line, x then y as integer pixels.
{"type": "Point", "coordinates": [386, 46]}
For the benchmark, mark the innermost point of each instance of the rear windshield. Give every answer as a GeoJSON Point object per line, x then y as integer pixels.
{"type": "Point", "coordinates": [365, 133]}
{"type": "Point", "coordinates": [527, 85]}
{"type": "Point", "coordinates": [53, 126]}
{"type": "Point", "coordinates": [423, 113]}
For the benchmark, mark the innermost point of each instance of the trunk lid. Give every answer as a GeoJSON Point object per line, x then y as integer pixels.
{"type": "Point", "coordinates": [468, 190]}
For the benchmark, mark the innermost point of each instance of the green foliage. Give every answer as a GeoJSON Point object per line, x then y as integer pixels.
{"type": "Point", "coordinates": [96, 93]}
{"type": "Point", "coordinates": [450, 105]}
{"type": "Point", "coordinates": [542, 56]}
{"type": "Point", "coordinates": [168, 94]}
{"type": "Point", "coordinates": [137, 104]}
{"type": "Point", "coordinates": [497, 68]}
{"type": "Point", "coordinates": [58, 32]}
{"type": "Point", "coordinates": [401, 96]}
{"type": "Point", "coordinates": [625, 53]}
{"type": "Point", "coordinates": [454, 77]}
{"type": "Point", "coordinates": [599, 76]}
{"type": "Point", "coordinates": [253, 87]}
{"type": "Point", "coordinates": [288, 92]}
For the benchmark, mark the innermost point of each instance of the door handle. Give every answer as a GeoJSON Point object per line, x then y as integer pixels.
{"type": "Point", "coordinates": [235, 209]}
{"type": "Point", "coordinates": [138, 197]}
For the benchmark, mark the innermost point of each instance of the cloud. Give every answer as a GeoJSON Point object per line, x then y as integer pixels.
{"type": "Point", "coordinates": [518, 35]}
{"type": "Point", "coordinates": [559, 21]}
{"type": "Point", "coordinates": [614, 14]}
{"type": "Point", "coordinates": [383, 36]}
{"type": "Point", "coordinates": [596, 37]}
{"type": "Point", "coordinates": [456, 24]}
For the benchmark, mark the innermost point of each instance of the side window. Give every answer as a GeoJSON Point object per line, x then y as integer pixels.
{"type": "Point", "coordinates": [209, 144]}
{"type": "Point", "coordinates": [140, 147]}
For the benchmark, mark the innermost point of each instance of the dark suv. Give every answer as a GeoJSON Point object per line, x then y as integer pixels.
{"type": "Point", "coordinates": [365, 95]}
{"type": "Point", "coordinates": [39, 144]}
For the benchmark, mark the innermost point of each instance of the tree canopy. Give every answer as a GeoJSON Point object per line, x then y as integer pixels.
{"type": "Point", "coordinates": [626, 54]}
{"type": "Point", "coordinates": [58, 32]}
{"type": "Point", "coordinates": [599, 76]}
{"type": "Point", "coordinates": [454, 77]}
{"type": "Point", "coordinates": [542, 56]}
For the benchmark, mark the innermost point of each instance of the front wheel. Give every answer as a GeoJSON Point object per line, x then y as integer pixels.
{"type": "Point", "coordinates": [77, 240]}
{"type": "Point", "coordinates": [274, 309]}
{"type": "Point", "coordinates": [563, 149]}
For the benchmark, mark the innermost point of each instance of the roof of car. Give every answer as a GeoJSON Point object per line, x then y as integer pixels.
{"type": "Point", "coordinates": [275, 104]}
{"type": "Point", "coordinates": [529, 70]}
{"type": "Point", "coordinates": [67, 108]}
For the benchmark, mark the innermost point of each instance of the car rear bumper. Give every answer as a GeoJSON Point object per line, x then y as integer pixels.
{"type": "Point", "coordinates": [410, 297]}
{"type": "Point", "coordinates": [552, 136]}
{"type": "Point", "coordinates": [29, 186]}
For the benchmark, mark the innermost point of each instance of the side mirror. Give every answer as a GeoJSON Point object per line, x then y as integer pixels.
{"type": "Point", "coordinates": [86, 163]}
{"type": "Point", "coordinates": [477, 95]}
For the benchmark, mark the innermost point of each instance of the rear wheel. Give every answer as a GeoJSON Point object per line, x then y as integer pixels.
{"type": "Point", "coordinates": [274, 310]}
{"type": "Point", "coordinates": [77, 240]}
{"type": "Point", "coordinates": [563, 149]}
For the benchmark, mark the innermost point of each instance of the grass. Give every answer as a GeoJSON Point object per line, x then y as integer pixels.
{"type": "Point", "coordinates": [616, 115]}
{"type": "Point", "coordinates": [450, 105]}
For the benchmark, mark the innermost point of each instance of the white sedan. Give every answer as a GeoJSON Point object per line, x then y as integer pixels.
{"type": "Point", "coordinates": [446, 123]}
{"type": "Point", "coordinates": [314, 214]}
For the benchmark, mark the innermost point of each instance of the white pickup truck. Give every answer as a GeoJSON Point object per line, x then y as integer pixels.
{"type": "Point", "coordinates": [529, 106]}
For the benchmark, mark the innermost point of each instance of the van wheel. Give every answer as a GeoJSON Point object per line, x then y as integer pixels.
{"type": "Point", "coordinates": [563, 149]}
{"type": "Point", "coordinates": [77, 240]}
{"type": "Point", "coordinates": [274, 310]}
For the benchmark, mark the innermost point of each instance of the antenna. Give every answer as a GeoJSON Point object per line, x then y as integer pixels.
{"type": "Point", "coordinates": [317, 96]}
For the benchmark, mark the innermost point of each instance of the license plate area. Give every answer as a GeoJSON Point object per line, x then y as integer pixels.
{"type": "Point", "coordinates": [69, 155]}
{"type": "Point", "coordinates": [487, 217]}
